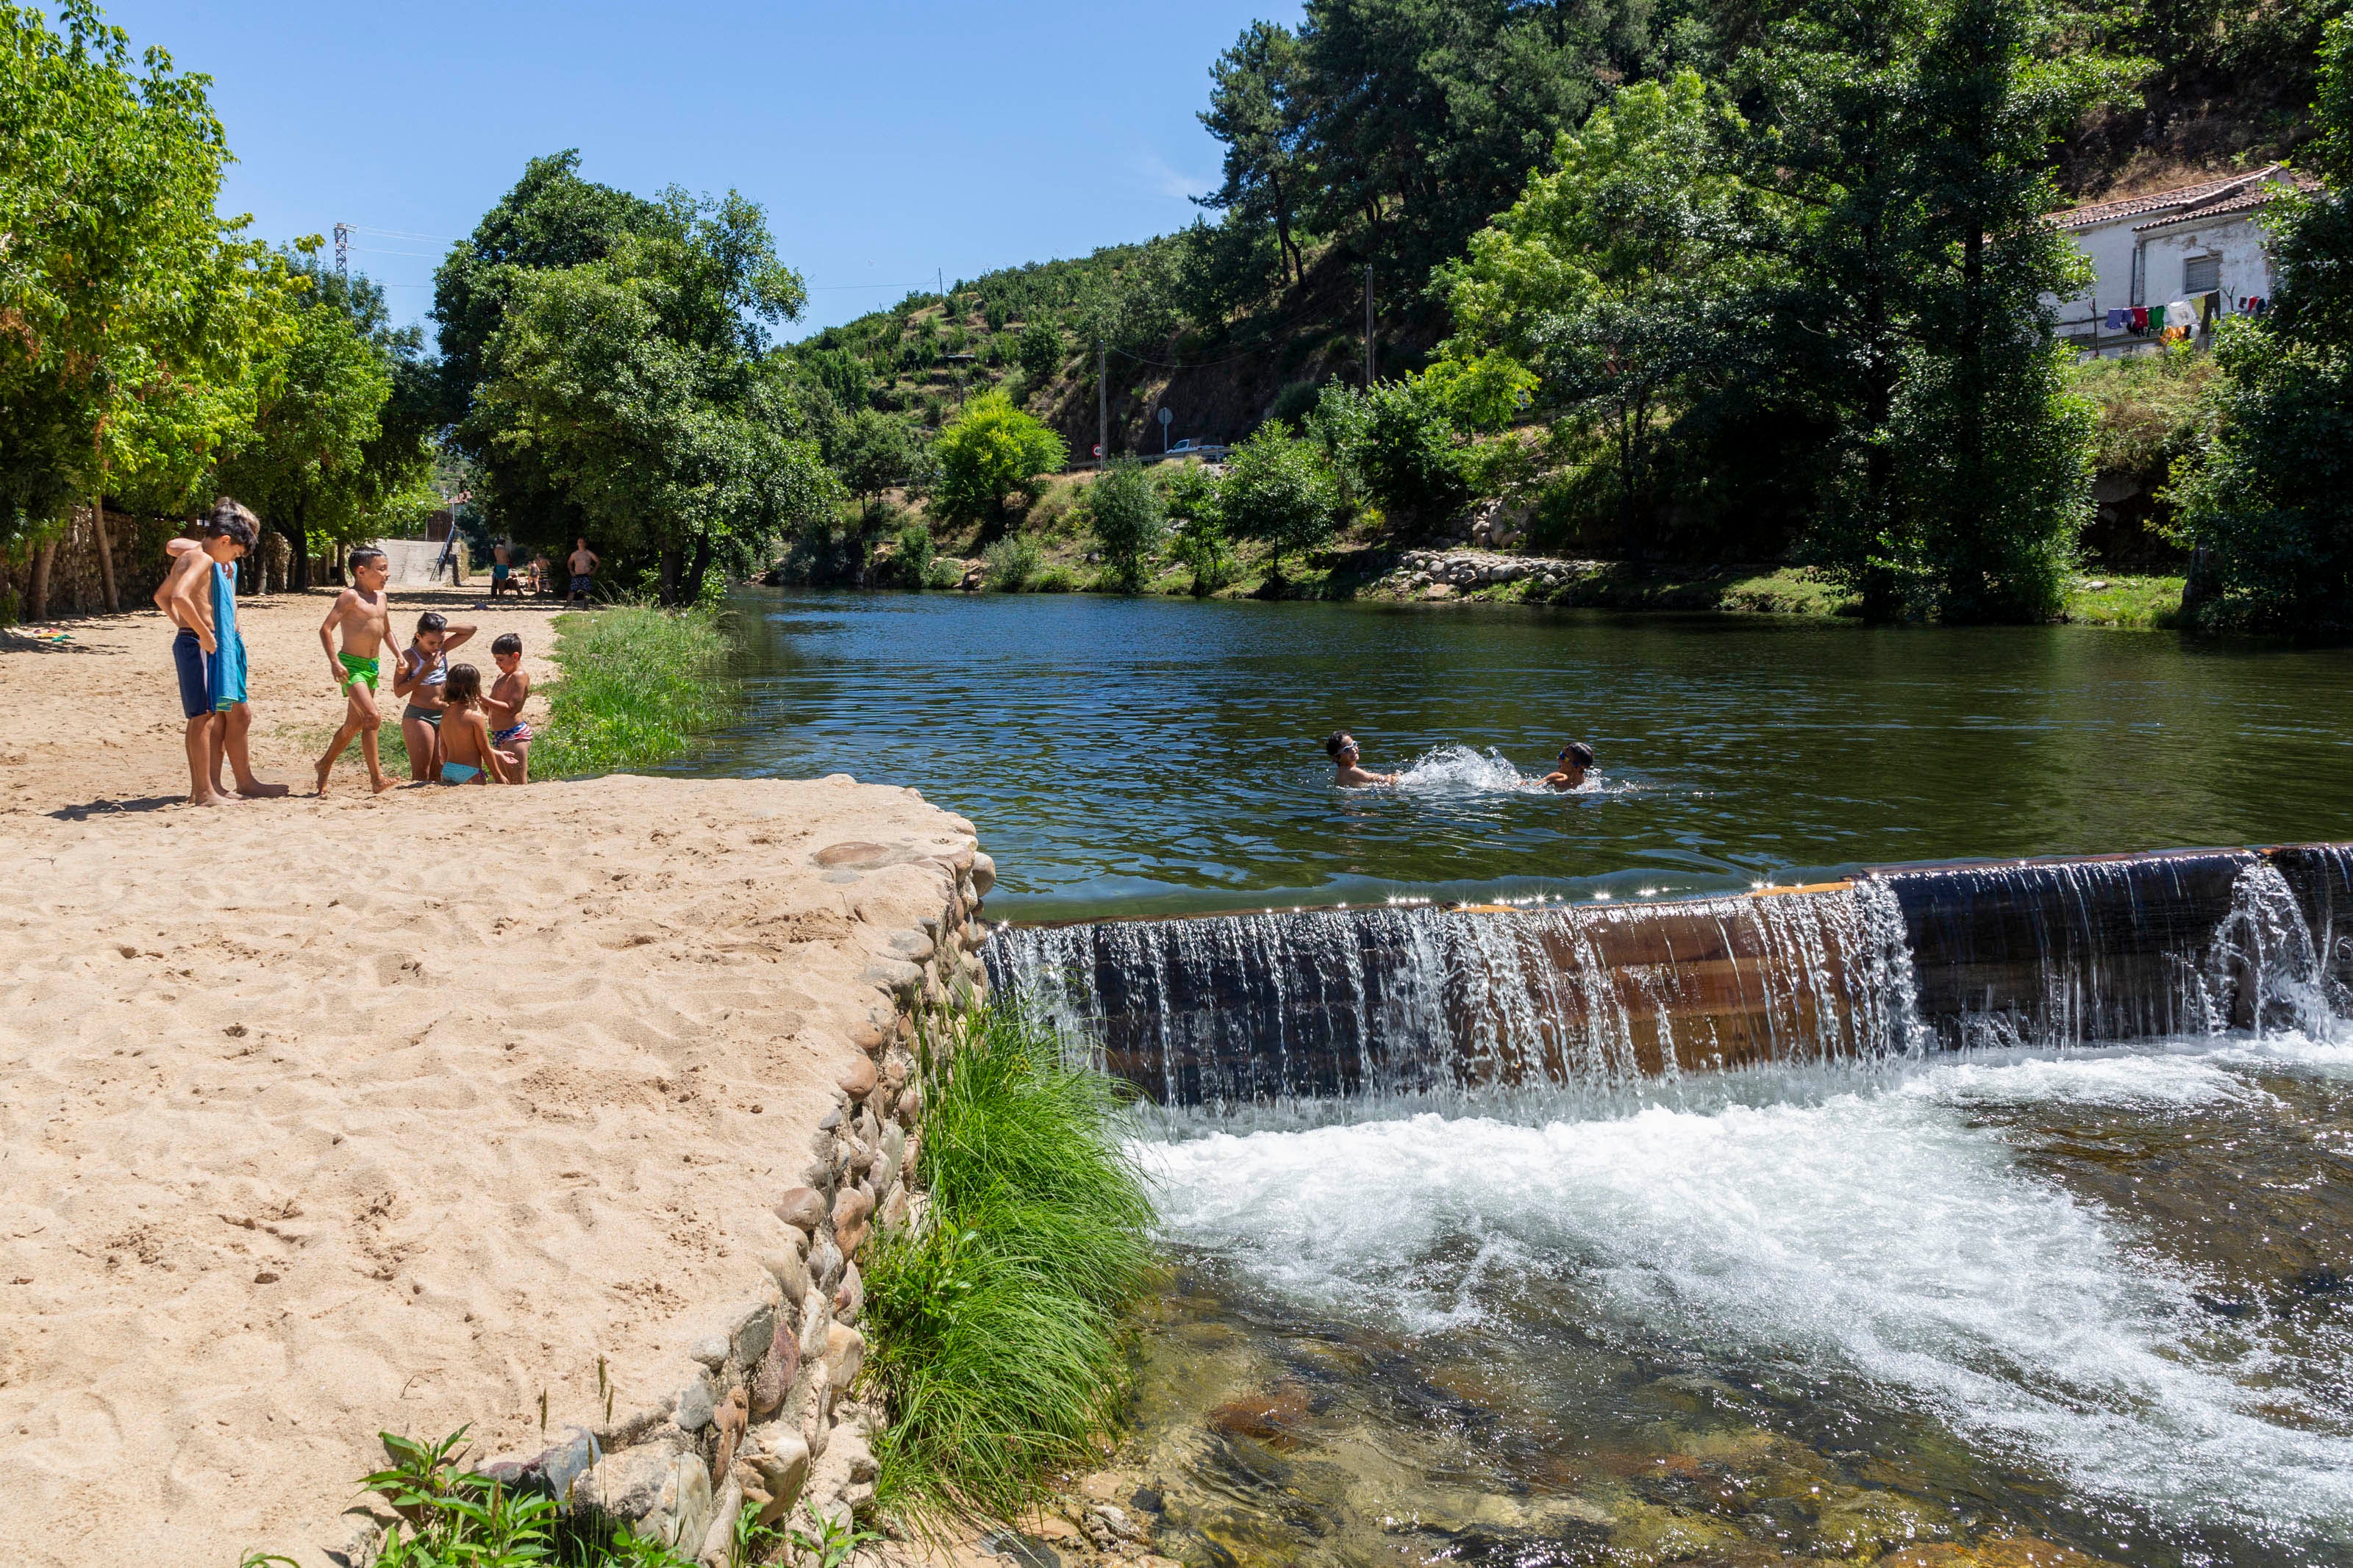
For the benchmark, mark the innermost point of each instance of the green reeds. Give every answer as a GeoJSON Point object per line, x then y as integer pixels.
{"type": "Point", "coordinates": [997, 1328]}
{"type": "Point", "coordinates": [638, 684]}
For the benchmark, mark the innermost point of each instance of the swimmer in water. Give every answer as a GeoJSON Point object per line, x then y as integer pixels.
{"type": "Point", "coordinates": [1341, 747]}
{"type": "Point", "coordinates": [1575, 758]}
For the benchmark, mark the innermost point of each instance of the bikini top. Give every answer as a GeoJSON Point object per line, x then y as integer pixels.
{"type": "Point", "coordinates": [438, 675]}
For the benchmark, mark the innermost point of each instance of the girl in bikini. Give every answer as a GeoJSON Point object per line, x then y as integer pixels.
{"type": "Point", "coordinates": [467, 754]}
{"type": "Point", "coordinates": [424, 672]}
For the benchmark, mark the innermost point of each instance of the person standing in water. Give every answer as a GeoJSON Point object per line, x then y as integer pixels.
{"type": "Point", "coordinates": [1341, 747]}
{"type": "Point", "coordinates": [1576, 759]}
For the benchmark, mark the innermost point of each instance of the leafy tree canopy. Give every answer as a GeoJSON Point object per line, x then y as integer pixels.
{"type": "Point", "coordinates": [989, 452]}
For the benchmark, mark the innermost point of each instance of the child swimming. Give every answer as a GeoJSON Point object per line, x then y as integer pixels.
{"type": "Point", "coordinates": [1341, 747]}
{"type": "Point", "coordinates": [1576, 758]}
{"type": "Point", "coordinates": [467, 754]}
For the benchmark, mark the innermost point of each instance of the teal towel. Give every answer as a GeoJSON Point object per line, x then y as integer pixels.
{"type": "Point", "coordinates": [229, 657]}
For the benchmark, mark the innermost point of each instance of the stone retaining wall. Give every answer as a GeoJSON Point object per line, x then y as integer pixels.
{"type": "Point", "coordinates": [764, 1416]}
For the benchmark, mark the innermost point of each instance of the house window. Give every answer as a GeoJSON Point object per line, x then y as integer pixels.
{"type": "Point", "coordinates": [2201, 274]}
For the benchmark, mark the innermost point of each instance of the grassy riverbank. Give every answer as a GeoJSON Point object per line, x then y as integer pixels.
{"type": "Point", "coordinates": [640, 683]}
{"type": "Point", "coordinates": [998, 1326]}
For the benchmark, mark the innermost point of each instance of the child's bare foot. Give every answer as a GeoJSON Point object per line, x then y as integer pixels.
{"type": "Point", "coordinates": [322, 770]}
{"type": "Point", "coordinates": [210, 797]}
{"type": "Point", "coordinates": [254, 789]}
{"type": "Point", "coordinates": [380, 784]}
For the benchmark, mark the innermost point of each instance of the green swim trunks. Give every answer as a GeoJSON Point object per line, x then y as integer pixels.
{"type": "Point", "coordinates": [357, 668]}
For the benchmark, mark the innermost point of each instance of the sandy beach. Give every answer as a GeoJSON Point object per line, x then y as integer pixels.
{"type": "Point", "coordinates": [394, 1113]}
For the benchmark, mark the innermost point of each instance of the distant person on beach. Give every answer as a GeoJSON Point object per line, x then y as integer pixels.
{"type": "Point", "coordinates": [501, 570]}
{"type": "Point", "coordinates": [542, 575]}
{"type": "Point", "coordinates": [584, 562]}
{"type": "Point", "coordinates": [362, 613]}
{"type": "Point", "coordinates": [509, 732]}
{"type": "Point", "coordinates": [1576, 759]}
{"type": "Point", "coordinates": [1341, 747]}
{"type": "Point", "coordinates": [467, 754]}
{"type": "Point", "coordinates": [199, 596]}
{"type": "Point", "coordinates": [423, 673]}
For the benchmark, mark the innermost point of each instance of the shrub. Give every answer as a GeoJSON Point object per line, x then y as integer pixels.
{"type": "Point", "coordinates": [997, 1330]}
{"type": "Point", "coordinates": [944, 572]}
{"type": "Point", "coordinates": [2149, 407]}
{"type": "Point", "coordinates": [1277, 489]}
{"type": "Point", "coordinates": [1012, 563]}
{"type": "Point", "coordinates": [1197, 538]}
{"type": "Point", "coordinates": [1056, 580]}
{"type": "Point", "coordinates": [912, 553]}
{"type": "Point", "coordinates": [1295, 403]}
{"type": "Point", "coordinates": [1124, 511]}
{"type": "Point", "coordinates": [1040, 350]}
{"type": "Point", "coordinates": [990, 450]}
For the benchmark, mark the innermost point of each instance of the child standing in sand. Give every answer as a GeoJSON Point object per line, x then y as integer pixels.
{"type": "Point", "coordinates": [467, 754]}
{"type": "Point", "coordinates": [199, 595]}
{"type": "Point", "coordinates": [424, 671]}
{"type": "Point", "coordinates": [363, 611]}
{"type": "Point", "coordinates": [504, 706]}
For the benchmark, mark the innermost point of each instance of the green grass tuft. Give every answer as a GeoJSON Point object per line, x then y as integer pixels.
{"type": "Point", "coordinates": [638, 684]}
{"type": "Point", "coordinates": [998, 1327]}
{"type": "Point", "coordinates": [2133, 603]}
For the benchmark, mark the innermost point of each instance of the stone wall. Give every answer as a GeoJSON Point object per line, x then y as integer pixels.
{"type": "Point", "coordinates": [765, 1415]}
{"type": "Point", "coordinates": [1444, 574]}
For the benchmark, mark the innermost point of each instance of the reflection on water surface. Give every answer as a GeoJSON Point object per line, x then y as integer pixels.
{"type": "Point", "coordinates": [1139, 756]}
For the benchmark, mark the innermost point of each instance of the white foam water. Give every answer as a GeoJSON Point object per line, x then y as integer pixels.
{"type": "Point", "coordinates": [1464, 769]}
{"type": "Point", "coordinates": [1879, 1233]}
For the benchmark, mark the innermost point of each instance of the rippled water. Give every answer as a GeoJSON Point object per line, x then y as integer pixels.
{"type": "Point", "coordinates": [2093, 1300]}
{"type": "Point", "coordinates": [1137, 756]}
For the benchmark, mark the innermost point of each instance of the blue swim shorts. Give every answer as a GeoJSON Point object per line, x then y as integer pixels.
{"type": "Point", "coordinates": [195, 675]}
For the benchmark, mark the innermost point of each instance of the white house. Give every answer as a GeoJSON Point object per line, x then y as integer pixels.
{"type": "Point", "coordinates": [2196, 245]}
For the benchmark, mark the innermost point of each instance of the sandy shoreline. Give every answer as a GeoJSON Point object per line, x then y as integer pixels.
{"type": "Point", "coordinates": [318, 1119]}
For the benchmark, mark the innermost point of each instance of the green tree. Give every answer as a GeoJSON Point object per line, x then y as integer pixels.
{"type": "Point", "coordinates": [987, 453]}
{"type": "Point", "coordinates": [1040, 350]}
{"type": "Point", "coordinates": [129, 314]}
{"type": "Point", "coordinates": [636, 384]}
{"type": "Point", "coordinates": [1610, 281]}
{"type": "Point", "coordinates": [878, 451]}
{"type": "Point", "coordinates": [1252, 85]}
{"type": "Point", "coordinates": [1276, 488]}
{"type": "Point", "coordinates": [1189, 497]}
{"type": "Point", "coordinates": [2269, 501]}
{"type": "Point", "coordinates": [552, 219]}
{"type": "Point", "coordinates": [338, 442]}
{"type": "Point", "coordinates": [1124, 511]}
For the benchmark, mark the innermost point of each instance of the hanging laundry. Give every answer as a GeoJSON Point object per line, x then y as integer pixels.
{"type": "Point", "coordinates": [2179, 313]}
{"type": "Point", "coordinates": [2140, 319]}
{"type": "Point", "coordinates": [2118, 318]}
{"type": "Point", "coordinates": [2210, 310]}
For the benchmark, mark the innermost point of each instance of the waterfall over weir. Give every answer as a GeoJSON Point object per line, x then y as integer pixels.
{"type": "Point", "coordinates": [1412, 1000]}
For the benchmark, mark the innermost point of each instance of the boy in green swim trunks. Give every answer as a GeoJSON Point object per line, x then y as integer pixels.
{"type": "Point", "coordinates": [364, 611]}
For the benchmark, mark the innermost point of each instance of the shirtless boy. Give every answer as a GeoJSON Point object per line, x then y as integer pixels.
{"type": "Point", "coordinates": [1341, 747]}
{"type": "Point", "coordinates": [363, 613]}
{"type": "Point", "coordinates": [504, 706]}
{"type": "Point", "coordinates": [1576, 758]}
{"type": "Point", "coordinates": [501, 571]}
{"type": "Point", "coordinates": [199, 596]}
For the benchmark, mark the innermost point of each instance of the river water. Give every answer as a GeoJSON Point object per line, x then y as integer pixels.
{"type": "Point", "coordinates": [1156, 756]}
{"type": "Point", "coordinates": [1930, 1308]}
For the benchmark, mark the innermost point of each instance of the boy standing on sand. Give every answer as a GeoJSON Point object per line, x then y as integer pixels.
{"type": "Point", "coordinates": [199, 596]}
{"type": "Point", "coordinates": [364, 613]}
{"type": "Point", "coordinates": [504, 707]}
{"type": "Point", "coordinates": [501, 568]}
{"type": "Point", "coordinates": [584, 562]}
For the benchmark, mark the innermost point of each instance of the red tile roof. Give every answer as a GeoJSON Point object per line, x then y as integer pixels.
{"type": "Point", "coordinates": [2244, 199]}
{"type": "Point", "coordinates": [2165, 202]}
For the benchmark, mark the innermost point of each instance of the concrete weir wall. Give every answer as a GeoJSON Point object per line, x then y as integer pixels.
{"type": "Point", "coordinates": [763, 1417]}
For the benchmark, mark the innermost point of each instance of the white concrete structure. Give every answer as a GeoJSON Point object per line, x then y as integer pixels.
{"type": "Point", "coordinates": [2183, 245]}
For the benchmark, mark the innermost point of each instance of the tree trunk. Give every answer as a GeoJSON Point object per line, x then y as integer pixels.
{"type": "Point", "coordinates": [43, 557]}
{"type": "Point", "coordinates": [671, 558]}
{"type": "Point", "coordinates": [105, 556]}
{"type": "Point", "coordinates": [695, 571]}
{"type": "Point", "coordinates": [298, 571]}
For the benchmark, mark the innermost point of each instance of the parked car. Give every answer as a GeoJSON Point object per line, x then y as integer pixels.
{"type": "Point", "coordinates": [1210, 451]}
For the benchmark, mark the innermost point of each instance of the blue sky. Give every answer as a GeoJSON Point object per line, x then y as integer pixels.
{"type": "Point", "coordinates": [888, 141]}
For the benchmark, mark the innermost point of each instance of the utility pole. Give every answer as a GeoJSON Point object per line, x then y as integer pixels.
{"type": "Point", "coordinates": [1369, 326]}
{"type": "Point", "coordinates": [344, 251]}
{"type": "Point", "coordinates": [1102, 404]}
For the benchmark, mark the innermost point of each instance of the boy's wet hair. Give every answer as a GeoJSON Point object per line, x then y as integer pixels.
{"type": "Point", "coordinates": [1335, 742]}
{"type": "Point", "coordinates": [464, 685]}
{"type": "Point", "coordinates": [1579, 753]}
{"type": "Point", "coordinates": [506, 642]}
{"type": "Point", "coordinates": [432, 621]}
{"type": "Point", "coordinates": [362, 555]}
{"type": "Point", "coordinates": [229, 521]}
